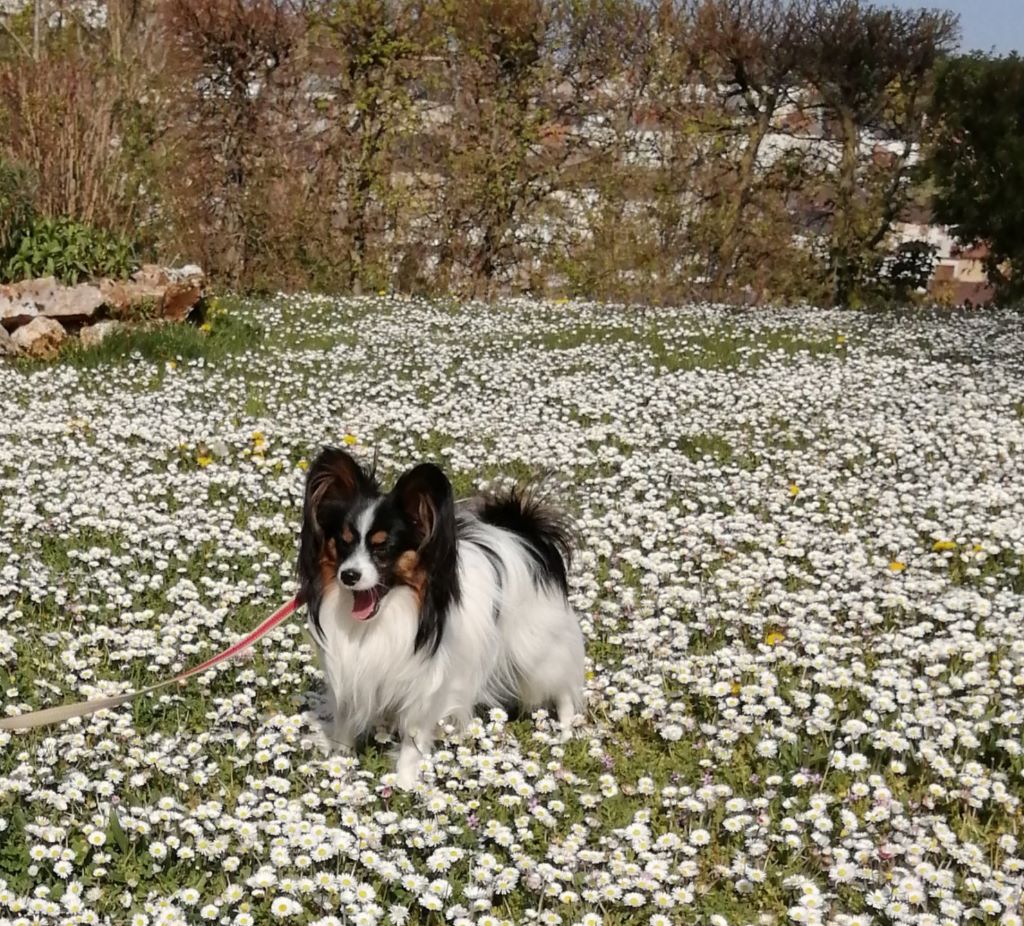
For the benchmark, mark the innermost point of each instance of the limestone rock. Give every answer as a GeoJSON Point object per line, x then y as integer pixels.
{"type": "Point", "coordinates": [41, 337]}
{"type": "Point", "coordinates": [192, 273]}
{"type": "Point", "coordinates": [73, 304]}
{"type": "Point", "coordinates": [152, 275]}
{"type": "Point", "coordinates": [7, 346]}
{"type": "Point", "coordinates": [179, 299]}
{"type": "Point", "coordinates": [91, 335]}
{"type": "Point", "coordinates": [131, 298]}
{"type": "Point", "coordinates": [14, 311]}
{"type": "Point", "coordinates": [40, 291]}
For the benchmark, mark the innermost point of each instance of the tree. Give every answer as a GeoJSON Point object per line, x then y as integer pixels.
{"type": "Point", "coordinates": [751, 52]}
{"type": "Point", "coordinates": [872, 68]}
{"type": "Point", "coordinates": [234, 81]}
{"type": "Point", "coordinates": [527, 78]}
{"type": "Point", "coordinates": [977, 161]}
{"type": "Point", "coordinates": [371, 56]}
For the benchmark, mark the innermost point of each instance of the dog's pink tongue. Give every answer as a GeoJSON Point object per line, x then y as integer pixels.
{"type": "Point", "coordinates": [363, 603]}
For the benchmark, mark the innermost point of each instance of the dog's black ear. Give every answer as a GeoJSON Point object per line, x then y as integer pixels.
{"type": "Point", "coordinates": [334, 480]}
{"type": "Point", "coordinates": [425, 496]}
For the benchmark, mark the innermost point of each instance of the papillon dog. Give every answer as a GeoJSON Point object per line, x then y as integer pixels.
{"type": "Point", "coordinates": [425, 609]}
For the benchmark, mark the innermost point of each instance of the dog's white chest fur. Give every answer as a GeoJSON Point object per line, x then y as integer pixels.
{"type": "Point", "coordinates": [363, 661]}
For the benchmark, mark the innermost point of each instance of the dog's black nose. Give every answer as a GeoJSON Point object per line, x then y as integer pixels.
{"type": "Point", "coordinates": [349, 576]}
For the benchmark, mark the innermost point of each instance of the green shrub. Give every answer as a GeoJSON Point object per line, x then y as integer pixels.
{"type": "Point", "coordinates": [69, 251]}
{"type": "Point", "coordinates": [17, 193]}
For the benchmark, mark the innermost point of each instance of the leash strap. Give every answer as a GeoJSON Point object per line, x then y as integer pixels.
{"type": "Point", "coordinates": [64, 712]}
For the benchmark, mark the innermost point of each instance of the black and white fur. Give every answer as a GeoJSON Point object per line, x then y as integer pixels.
{"type": "Point", "coordinates": [425, 610]}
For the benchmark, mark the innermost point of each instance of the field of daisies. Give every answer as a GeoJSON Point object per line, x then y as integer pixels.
{"type": "Point", "coordinates": [801, 536]}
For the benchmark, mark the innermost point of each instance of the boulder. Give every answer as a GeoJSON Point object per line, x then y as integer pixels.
{"type": "Point", "coordinates": [149, 299]}
{"type": "Point", "coordinates": [179, 299]}
{"type": "Point", "coordinates": [191, 273]}
{"type": "Point", "coordinates": [41, 338]}
{"type": "Point", "coordinates": [73, 304]}
{"type": "Point", "coordinates": [91, 335]}
{"type": "Point", "coordinates": [39, 292]}
{"type": "Point", "coordinates": [7, 346]}
{"type": "Point", "coordinates": [152, 275]}
{"type": "Point", "coordinates": [21, 302]}
{"type": "Point", "coordinates": [14, 311]}
{"type": "Point", "coordinates": [131, 298]}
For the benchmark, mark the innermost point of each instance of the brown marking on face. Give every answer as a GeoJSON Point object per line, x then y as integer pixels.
{"type": "Point", "coordinates": [347, 535]}
{"type": "Point", "coordinates": [378, 537]}
{"type": "Point", "coordinates": [409, 572]}
{"type": "Point", "coordinates": [328, 563]}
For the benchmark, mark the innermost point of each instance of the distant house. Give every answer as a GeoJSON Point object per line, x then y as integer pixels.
{"type": "Point", "coordinates": [960, 276]}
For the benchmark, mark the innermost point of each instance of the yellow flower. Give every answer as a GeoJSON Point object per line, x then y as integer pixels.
{"type": "Point", "coordinates": [977, 548]}
{"type": "Point", "coordinates": [303, 464]}
{"type": "Point", "coordinates": [897, 566]}
{"type": "Point", "coordinates": [172, 364]}
{"type": "Point", "coordinates": [204, 461]}
{"type": "Point", "coordinates": [259, 440]}
{"type": "Point", "coordinates": [350, 439]}
{"type": "Point", "coordinates": [382, 292]}
{"type": "Point", "coordinates": [840, 339]}
{"type": "Point", "coordinates": [590, 675]}
{"type": "Point", "coordinates": [941, 545]}
{"type": "Point", "coordinates": [206, 327]}
{"type": "Point", "coordinates": [794, 490]}
{"type": "Point", "coordinates": [735, 688]}
{"type": "Point", "coordinates": [774, 638]}
{"type": "Point", "coordinates": [561, 300]}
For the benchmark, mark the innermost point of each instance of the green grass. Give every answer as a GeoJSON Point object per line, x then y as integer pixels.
{"type": "Point", "coordinates": [226, 336]}
{"type": "Point", "coordinates": [719, 347]}
{"type": "Point", "coordinates": [623, 744]}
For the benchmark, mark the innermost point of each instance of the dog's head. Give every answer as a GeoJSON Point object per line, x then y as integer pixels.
{"type": "Point", "coordinates": [368, 542]}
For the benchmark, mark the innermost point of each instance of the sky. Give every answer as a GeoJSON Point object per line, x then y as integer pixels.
{"type": "Point", "coordinates": [984, 24]}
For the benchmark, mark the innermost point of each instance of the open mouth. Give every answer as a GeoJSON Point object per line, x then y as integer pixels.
{"type": "Point", "coordinates": [365, 603]}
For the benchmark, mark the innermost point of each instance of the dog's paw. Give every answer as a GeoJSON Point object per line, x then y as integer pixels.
{"type": "Point", "coordinates": [409, 768]}
{"type": "Point", "coordinates": [407, 777]}
{"type": "Point", "coordinates": [332, 746]}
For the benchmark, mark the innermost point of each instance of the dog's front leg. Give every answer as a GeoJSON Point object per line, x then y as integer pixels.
{"type": "Point", "coordinates": [409, 758]}
{"type": "Point", "coordinates": [417, 743]}
{"type": "Point", "coordinates": [343, 733]}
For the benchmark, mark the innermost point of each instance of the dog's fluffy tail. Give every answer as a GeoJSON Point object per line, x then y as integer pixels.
{"type": "Point", "coordinates": [544, 530]}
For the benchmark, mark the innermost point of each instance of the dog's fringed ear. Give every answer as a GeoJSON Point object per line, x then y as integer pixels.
{"type": "Point", "coordinates": [425, 495]}
{"type": "Point", "coordinates": [334, 480]}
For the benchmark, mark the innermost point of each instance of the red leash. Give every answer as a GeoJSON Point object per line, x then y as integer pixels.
{"type": "Point", "coordinates": [83, 708]}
